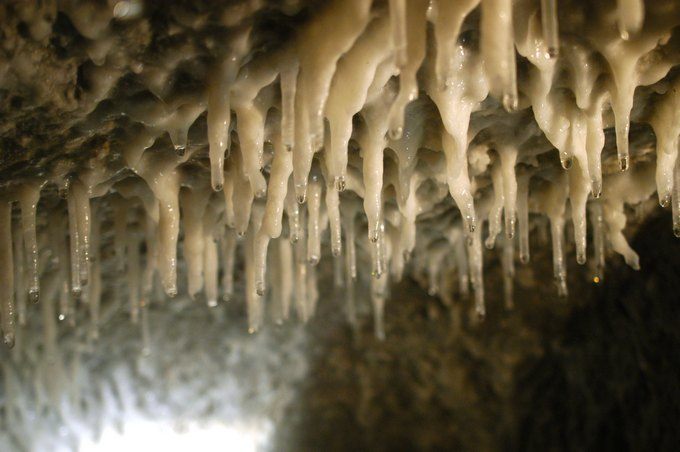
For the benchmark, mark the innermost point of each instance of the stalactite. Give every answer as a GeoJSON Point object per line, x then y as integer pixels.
{"type": "Point", "coordinates": [334, 117]}
{"type": "Point", "coordinates": [7, 273]}
{"type": "Point", "coordinates": [28, 200]}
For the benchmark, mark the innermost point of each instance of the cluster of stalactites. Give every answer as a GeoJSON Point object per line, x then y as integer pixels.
{"type": "Point", "coordinates": [334, 143]}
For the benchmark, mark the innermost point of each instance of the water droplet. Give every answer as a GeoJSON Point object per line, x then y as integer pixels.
{"type": "Point", "coordinates": [580, 258]}
{"type": "Point", "coordinates": [567, 162]}
{"type": "Point", "coordinates": [524, 258]}
{"type": "Point", "coordinates": [313, 260]}
{"type": "Point", "coordinates": [9, 340]}
{"type": "Point", "coordinates": [510, 102]}
{"type": "Point", "coordinates": [665, 201]}
{"type": "Point", "coordinates": [395, 133]}
{"type": "Point", "coordinates": [218, 187]}
{"type": "Point", "coordinates": [301, 198]}
{"type": "Point", "coordinates": [259, 288]}
{"type": "Point", "coordinates": [180, 150]}
{"type": "Point", "coordinates": [34, 295]}
{"type": "Point", "coordinates": [623, 163]}
{"type": "Point", "coordinates": [676, 231]}
{"type": "Point", "coordinates": [340, 183]}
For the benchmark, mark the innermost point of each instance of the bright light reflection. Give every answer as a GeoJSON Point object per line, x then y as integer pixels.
{"type": "Point", "coordinates": [145, 436]}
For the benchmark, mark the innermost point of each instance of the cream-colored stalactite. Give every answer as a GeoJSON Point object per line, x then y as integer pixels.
{"type": "Point", "coordinates": [579, 189]}
{"type": "Point", "coordinates": [301, 264]}
{"type": "Point", "coordinates": [312, 289]}
{"type": "Point", "coordinates": [523, 182]}
{"type": "Point", "coordinates": [83, 218]}
{"type": "Point", "coordinates": [319, 52]}
{"type": "Point", "coordinates": [599, 239]}
{"type": "Point", "coordinates": [547, 107]}
{"type": "Point", "coordinates": [332, 200]}
{"type": "Point", "coordinates": [277, 190]}
{"type": "Point", "coordinates": [377, 252]}
{"type": "Point", "coordinates": [447, 26]}
{"type": "Point", "coordinates": [250, 122]}
{"type": "Point", "coordinates": [627, 72]}
{"type": "Point", "coordinates": [219, 116]}
{"type": "Point", "coordinates": [7, 313]}
{"type": "Point", "coordinates": [74, 244]}
{"type": "Point", "coordinates": [666, 124]}
{"type": "Point", "coordinates": [254, 302]}
{"type": "Point", "coordinates": [228, 255]}
{"type": "Point", "coordinates": [406, 151]}
{"type": "Point", "coordinates": [398, 27]}
{"type": "Point", "coordinates": [20, 280]}
{"type": "Point", "coordinates": [288, 82]}
{"type": "Point", "coordinates": [293, 209]}
{"type": "Point", "coordinates": [57, 228]}
{"type": "Point", "coordinates": [498, 49]}
{"type": "Point", "coordinates": [416, 26]}
{"type": "Point", "coordinates": [373, 143]}
{"type": "Point", "coordinates": [193, 202]}
{"type": "Point", "coordinates": [94, 289]}
{"type": "Point", "coordinates": [282, 279]}
{"type": "Point", "coordinates": [160, 171]}
{"type": "Point", "coordinates": [455, 102]}
{"type": "Point", "coordinates": [378, 296]}
{"type": "Point", "coordinates": [243, 194]}
{"type": "Point", "coordinates": [594, 145]}
{"type": "Point", "coordinates": [314, 192]}
{"type": "Point", "coordinates": [133, 274]}
{"type": "Point", "coordinates": [210, 261]}
{"type": "Point", "coordinates": [348, 92]}
{"type": "Point", "coordinates": [29, 195]}
{"type": "Point", "coordinates": [630, 16]}
{"type": "Point", "coordinates": [151, 258]}
{"type": "Point", "coordinates": [476, 267]}
{"type": "Point", "coordinates": [459, 181]}
{"type": "Point", "coordinates": [397, 256]}
{"type": "Point", "coordinates": [552, 201]}
{"type": "Point", "coordinates": [550, 27]}
{"type": "Point", "coordinates": [631, 188]}
{"type": "Point", "coordinates": [496, 210]}
{"type": "Point", "coordinates": [508, 267]}
{"type": "Point", "coordinates": [508, 157]}
{"type": "Point", "coordinates": [228, 193]}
